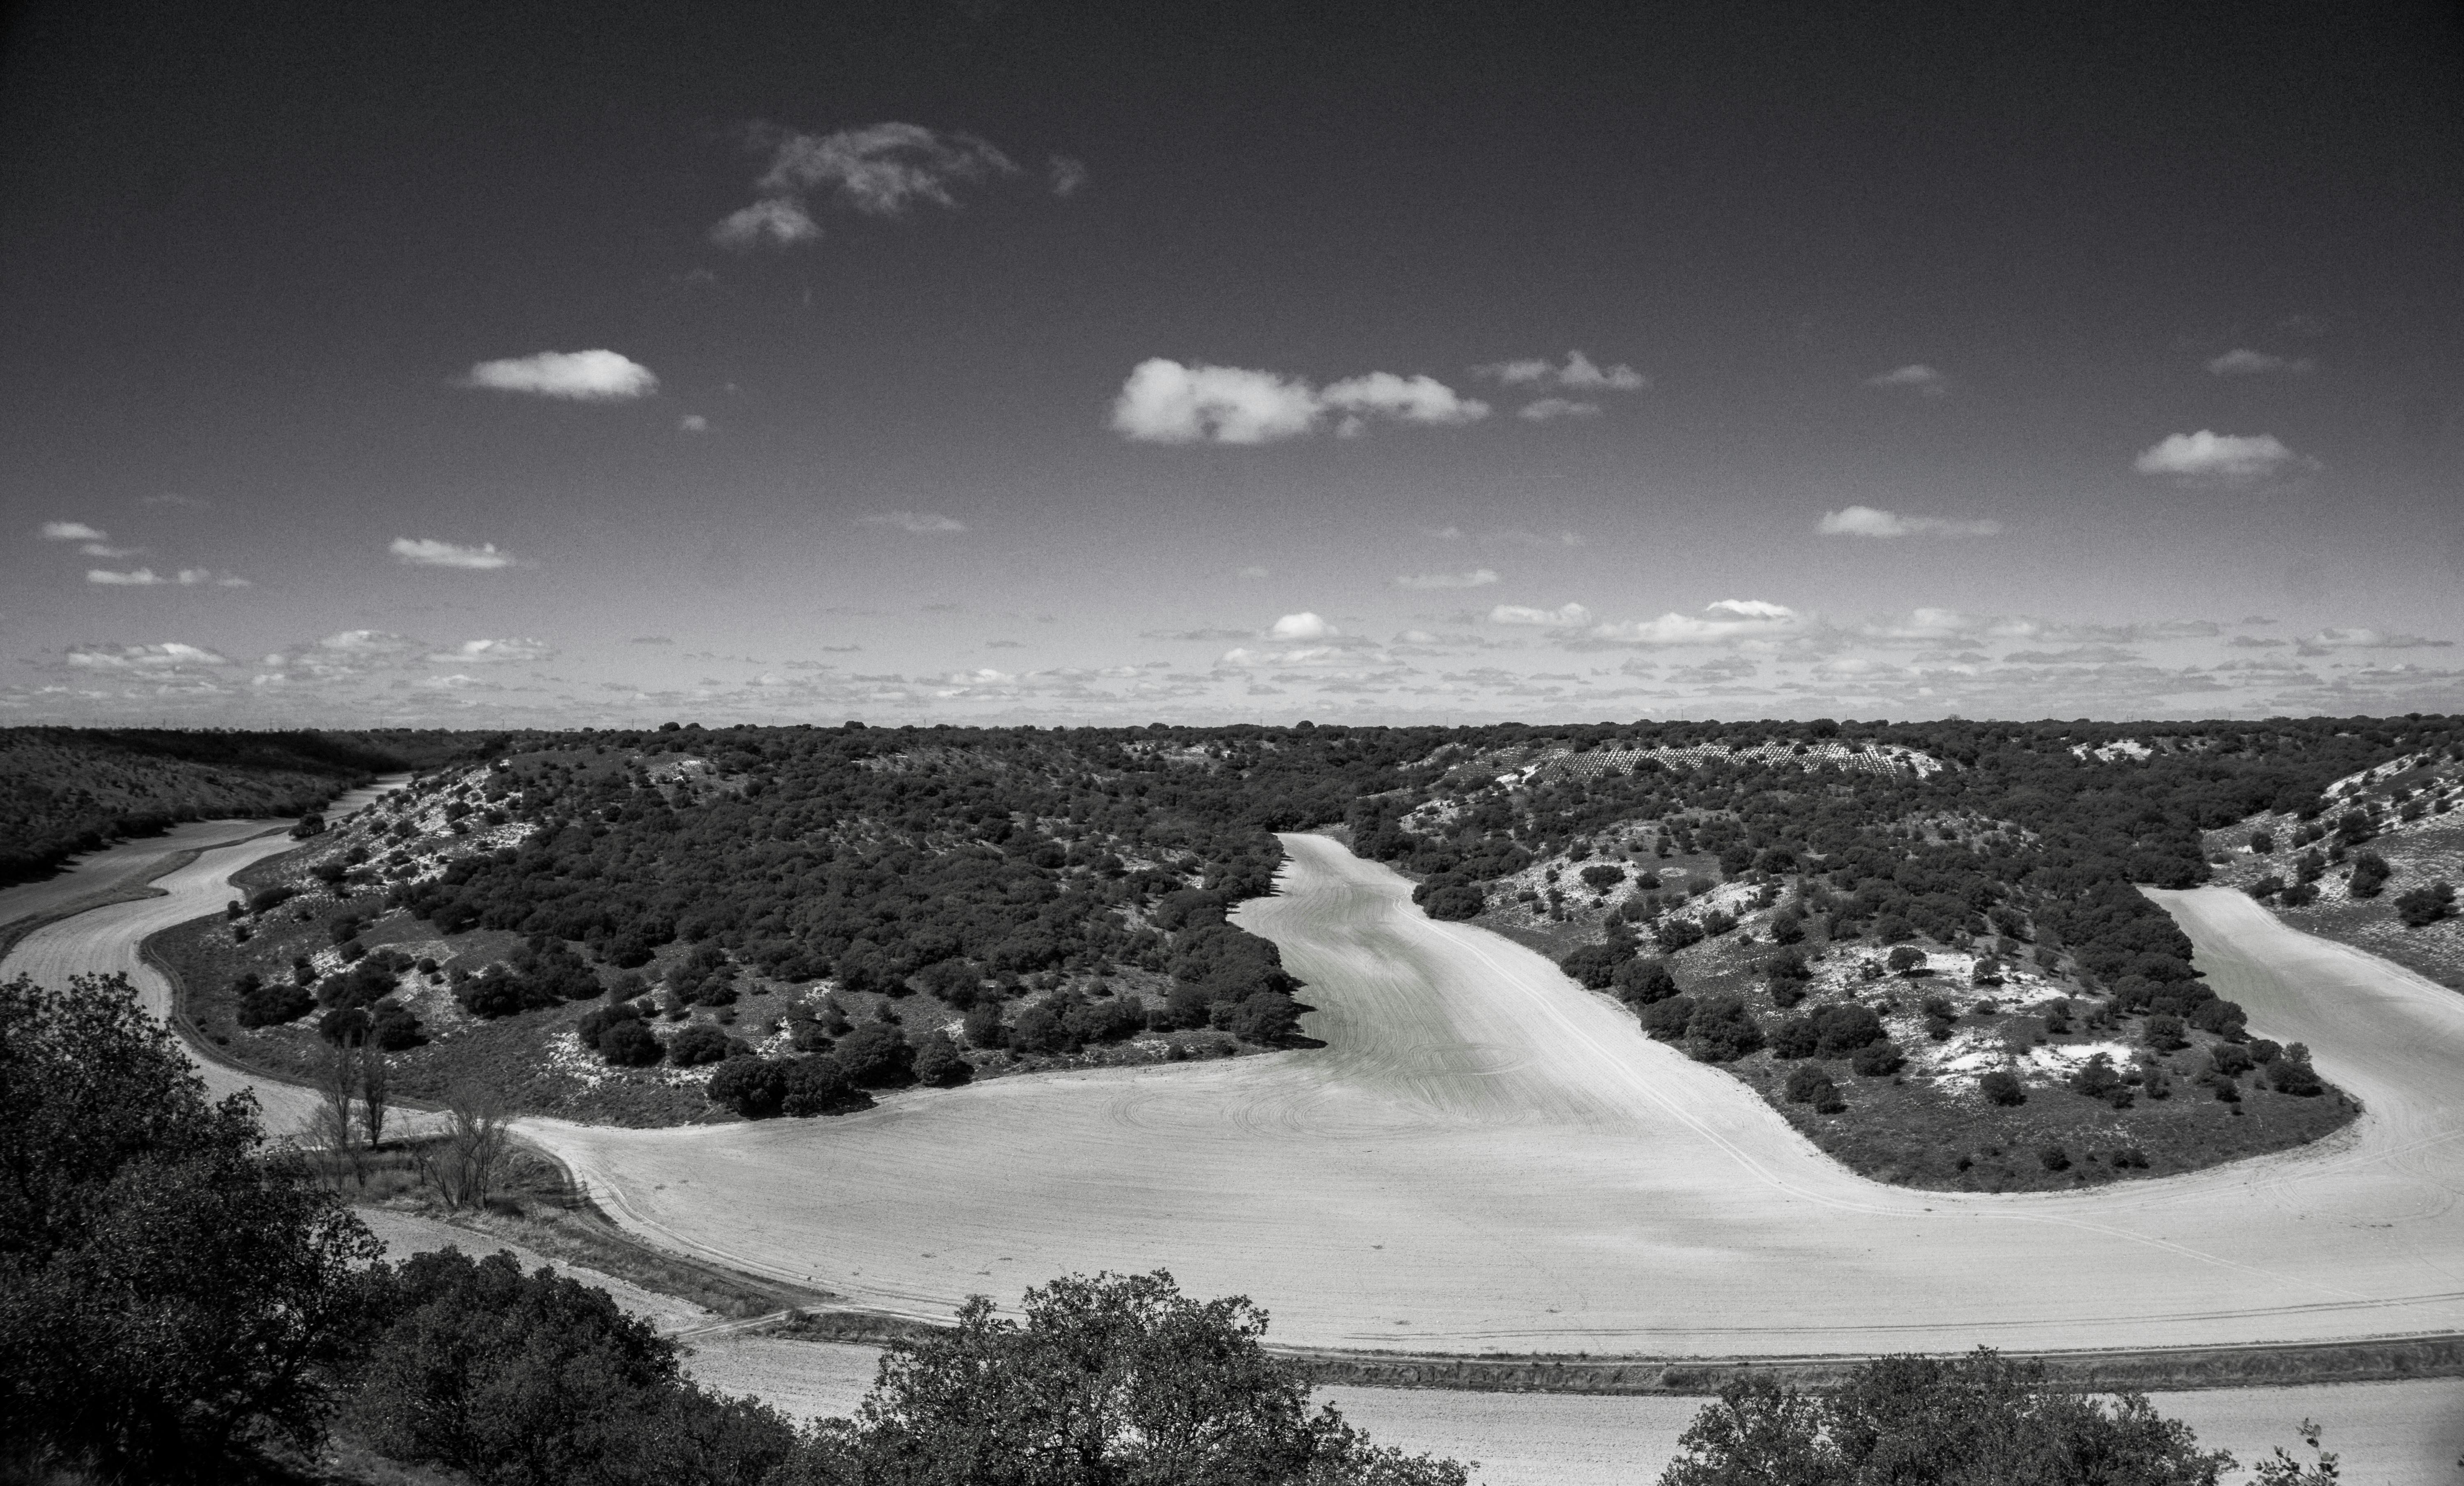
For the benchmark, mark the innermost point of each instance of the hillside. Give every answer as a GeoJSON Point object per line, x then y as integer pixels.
{"type": "Point", "coordinates": [65, 791]}
{"type": "Point", "coordinates": [1898, 934]}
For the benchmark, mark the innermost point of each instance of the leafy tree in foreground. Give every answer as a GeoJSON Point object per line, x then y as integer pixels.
{"type": "Point", "coordinates": [1109, 1381]}
{"type": "Point", "coordinates": [171, 1293]}
{"type": "Point", "coordinates": [1979, 1420]}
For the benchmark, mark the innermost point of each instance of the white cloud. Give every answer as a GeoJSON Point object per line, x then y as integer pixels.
{"type": "Point", "coordinates": [1580, 373]}
{"type": "Point", "coordinates": [1068, 175]}
{"type": "Point", "coordinates": [599, 376]}
{"type": "Point", "coordinates": [368, 642]}
{"type": "Point", "coordinates": [193, 577]}
{"type": "Point", "coordinates": [1303, 625]}
{"type": "Point", "coordinates": [921, 524]}
{"type": "Point", "coordinates": [1164, 402]}
{"type": "Point", "coordinates": [1414, 399]}
{"type": "Point", "coordinates": [693, 423]}
{"type": "Point", "coordinates": [72, 531]}
{"type": "Point", "coordinates": [1918, 378]}
{"type": "Point", "coordinates": [778, 220]}
{"type": "Point", "coordinates": [2227, 458]}
{"type": "Point", "coordinates": [141, 578]}
{"type": "Point", "coordinates": [488, 652]}
{"type": "Point", "coordinates": [881, 168]}
{"type": "Point", "coordinates": [1477, 578]}
{"type": "Point", "coordinates": [2259, 364]}
{"type": "Point", "coordinates": [1523, 613]}
{"type": "Point", "coordinates": [2364, 637]}
{"type": "Point", "coordinates": [106, 549]}
{"type": "Point", "coordinates": [1730, 620]}
{"type": "Point", "coordinates": [168, 656]}
{"type": "Point", "coordinates": [429, 552]}
{"type": "Point", "coordinates": [1547, 409]}
{"type": "Point", "coordinates": [1865, 520]}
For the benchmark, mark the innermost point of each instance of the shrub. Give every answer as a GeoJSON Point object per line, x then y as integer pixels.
{"type": "Point", "coordinates": [2425, 906]}
{"type": "Point", "coordinates": [596, 1021]}
{"type": "Point", "coordinates": [1641, 982]}
{"type": "Point", "coordinates": [394, 1028]}
{"type": "Point", "coordinates": [1267, 1018]}
{"type": "Point", "coordinates": [2300, 895]}
{"type": "Point", "coordinates": [1592, 966]}
{"type": "Point", "coordinates": [2230, 1059]}
{"type": "Point", "coordinates": [2262, 842]}
{"type": "Point", "coordinates": [2370, 873]}
{"type": "Point", "coordinates": [1603, 876]}
{"type": "Point", "coordinates": [753, 1087]}
{"type": "Point", "coordinates": [2097, 1078]}
{"type": "Point", "coordinates": [2002, 1087]}
{"type": "Point", "coordinates": [1673, 934]}
{"type": "Point", "coordinates": [819, 1085]}
{"type": "Point", "coordinates": [1877, 1059]}
{"type": "Point", "coordinates": [1805, 1081]}
{"type": "Point", "coordinates": [1718, 921]}
{"type": "Point", "coordinates": [2292, 1073]}
{"type": "Point", "coordinates": [271, 1006]}
{"type": "Point", "coordinates": [1721, 1030]}
{"type": "Point", "coordinates": [1455, 904]}
{"type": "Point", "coordinates": [630, 1044]}
{"type": "Point", "coordinates": [698, 1044]}
{"type": "Point", "coordinates": [983, 1026]}
{"type": "Point", "coordinates": [1906, 960]}
{"type": "Point", "coordinates": [938, 1063]}
{"type": "Point", "coordinates": [1666, 1019]}
{"type": "Point", "coordinates": [2164, 1034]}
{"type": "Point", "coordinates": [876, 1055]}
{"type": "Point", "coordinates": [2055, 1158]}
{"type": "Point", "coordinates": [1795, 1037]}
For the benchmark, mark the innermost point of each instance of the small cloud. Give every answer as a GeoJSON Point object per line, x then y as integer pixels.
{"type": "Point", "coordinates": [575, 376]}
{"type": "Point", "coordinates": [1477, 578]}
{"type": "Point", "coordinates": [1730, 620]}
{"type": "Point", "coordinates": [1865, 520]}
{"type": "Point", "coordinates": [1918, 378]}
{"type": "Point", "coordinates": [1579, 373]}
{"type": "Point", "coordinates": [650, 639]}
{"type": "Point", "coordinates": [2260, 364]}
{"type": "Point", "coordinates": [921, 524]}
{"type": "Point", "coordinates": [693, 423]}
{"type": "Point", "coordinates": [168, 656]}
{"type": "Point", "coordinates": [491, 652]}
{"type": "Point", "coordinates": [1549, 408]}
{"type": "Point", "coordinates": [1068, 175]}
{"type": "Point", "coordinates": [106, 549]}
{"type": "Point", "coordinates": [2363, 638]}
{"type": "Point", "coordinates": [193, 577]}
{"type": "Point", "coordinates": [141, 578]}
{"type": "Point", "coordinates": [1303, 625]}
{"type": "Point", "coordinates": [2223, 459]}
{"type": "Point", "coordinates": [1532, 539]}
{"type": "Point", "coordinates": [72, 531]}
{"type": "Point", "coordinates": [1524, 614]}
{"type": "Point", "coordinates": [368, 642]}
{"type": "Point", "coordinates": [779, 221]}
{"type": "Point", "coordinates": [429, 552]}
{"type": "Point", "coordinates": [2256, 642]}
{"type": "Point", "coordinates": [1165, 401]}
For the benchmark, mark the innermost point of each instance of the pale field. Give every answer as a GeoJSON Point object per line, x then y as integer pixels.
{"type": "Point", "coordinates": [105, 940]}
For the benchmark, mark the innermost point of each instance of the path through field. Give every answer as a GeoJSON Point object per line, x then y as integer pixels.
{"type": "Point", "coordinates": [1486, 1157]}
{"type": "Point", "coordinates": [105, 940]}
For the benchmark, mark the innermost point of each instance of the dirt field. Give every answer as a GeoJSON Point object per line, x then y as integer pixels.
{"type": "Point", "coordinates": [1486, 1157]}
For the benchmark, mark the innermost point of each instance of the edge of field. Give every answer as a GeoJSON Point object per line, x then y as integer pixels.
{"type": "Point", "coordinates": [608, 1246]}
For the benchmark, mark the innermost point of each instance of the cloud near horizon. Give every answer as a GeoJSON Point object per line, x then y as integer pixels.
{"type": "Point", "coordinates": [599, 376]}
{"type": "Point", "coordinates": [920, 524]}
{"type": "Point", "coordinates": [72, 531]}
{"type": "Point", "coordinates": [1563, 616]}
{"type": "Point", "coordinates": [1477, 578]}
{"type": "Point", "coordinates": [1165, 401]}
{"type": "Point", "coordinates": [1916, 377]}
{"type": "Point", "coordinates": [1729, 620]}
{"type": "Point", "coordinates": [2259, 364]}
{"type": "Point", "coordinates": [2221, 458]}
{"type": "Point", "coordinates": [1865, 520]}
{"type": "Point", "coordinates": [429, 552]}
{"type": "Point", "coordinates": [166, 655]}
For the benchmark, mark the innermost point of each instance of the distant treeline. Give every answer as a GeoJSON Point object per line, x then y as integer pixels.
{"type": "Point", "coordinates": [65, 791]}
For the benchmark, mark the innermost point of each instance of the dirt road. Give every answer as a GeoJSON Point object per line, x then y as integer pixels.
{"type": "Point", "coordinates": [1487, 1157]}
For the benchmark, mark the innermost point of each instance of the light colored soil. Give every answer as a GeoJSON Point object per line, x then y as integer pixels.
{"type": "Point", "coordinates": [116, 871]}
{"type": "Point", "coordinates": [1486, 1157]}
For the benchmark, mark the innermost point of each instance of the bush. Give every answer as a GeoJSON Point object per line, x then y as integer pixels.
{"type": "Point", "coordinates": [1717, 923]}
{"type": "Point", "coordinates": [1877, 1059]}
{"type": "Point", "coordinates": [819, 1085]}
{"type": "Point", "coordinates": [630, 1044]}
{"type": "Point", "coordinates": [2097, 1078]}
{"type": "Point", "coordinates": [2165, 1033]}
{"type": "Point", "coordinates": [1455, 904]}
{"type": "Point", "coordinates": [1640, 982]}
{"type": "Point", "coordinates": [1666, 1019]}
{"type": "Point", "coordinates": [2055, 1158]}
{"type": "Point", "coordinates": [983, 1026]}
{"type": "Point", "coordinates": [1269, 1018]}
{"type": "Point", "coordinates": [1673, 934]}
{"type": "Point", "coordinates": [2002, 1087]}
{"type": "Point", "coordinates": [597, 1021]}
{"type": "Point", "coordinates": [1721, 1030]}
{"type": "Point", "coordinates": [876, 1055]}
{"type": "Point", "coordinates": [1592, 966]}
{"type": "Point", "coordinates": [1795, 1037]}
{"type": "Point", "coordinates": [394, 1028]}
{"type": "Point", "coordinates": [2370, 873]}
{"type": "Point", "coordinates": [2291, 1074]}
{"type": "Point", "coordinates": [698, 1044]}
{"type": "Point", "coordinates": [1603, 876]}
{"type": "Point", "coordinates": [1807, 1080]}
{"type": "Point", "coordinates": [2425, 906]}
{"type": "Point", "coordinates": [938, 1063]}
{"type": "Point", "coordinates": [271, 1006]}
{"type": "Point", "coordinates": [753, 1087]}
{"type": "Point", "coordinates": [1906, 960]}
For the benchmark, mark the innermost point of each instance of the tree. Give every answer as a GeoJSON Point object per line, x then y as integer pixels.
{"type": "Point", "coordinates": [876, 1055]}
{"type": "Point", "coordinates": [2369, 876]}
{"type": "Point", "coordinates": [1641, 982]}
{"type": "Point", "coordinates": [818, 1084]}
{"type": "Point", "coordinates": [939, 1062]}
{"type": "Point", "coordinates": [172, 1293]}
{"type": "Point", "coordinates": [2002, 1087]}
{"type": "Point", "coordinates": [463, 1163]}
{"type": "Point", "coordinates": [1978, 1420]}
{"type": "Point", "coordinates": [373, 1092]}
{"type": "Point", "coordinates": [1113, 1378]}
{"type": "Point", "coordinates": [338, 1086]}
{"type": "Point", "coordinates": [702, 1042]}
{"type": "Point", "coordinates": [2425, 905]}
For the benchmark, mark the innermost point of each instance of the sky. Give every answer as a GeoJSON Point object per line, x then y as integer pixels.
{"type": "Point", "coordinates": [598, 366]}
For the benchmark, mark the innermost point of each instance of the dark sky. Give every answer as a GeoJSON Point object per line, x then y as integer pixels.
{"type": "Point", "coordinates": [1022, 362]}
